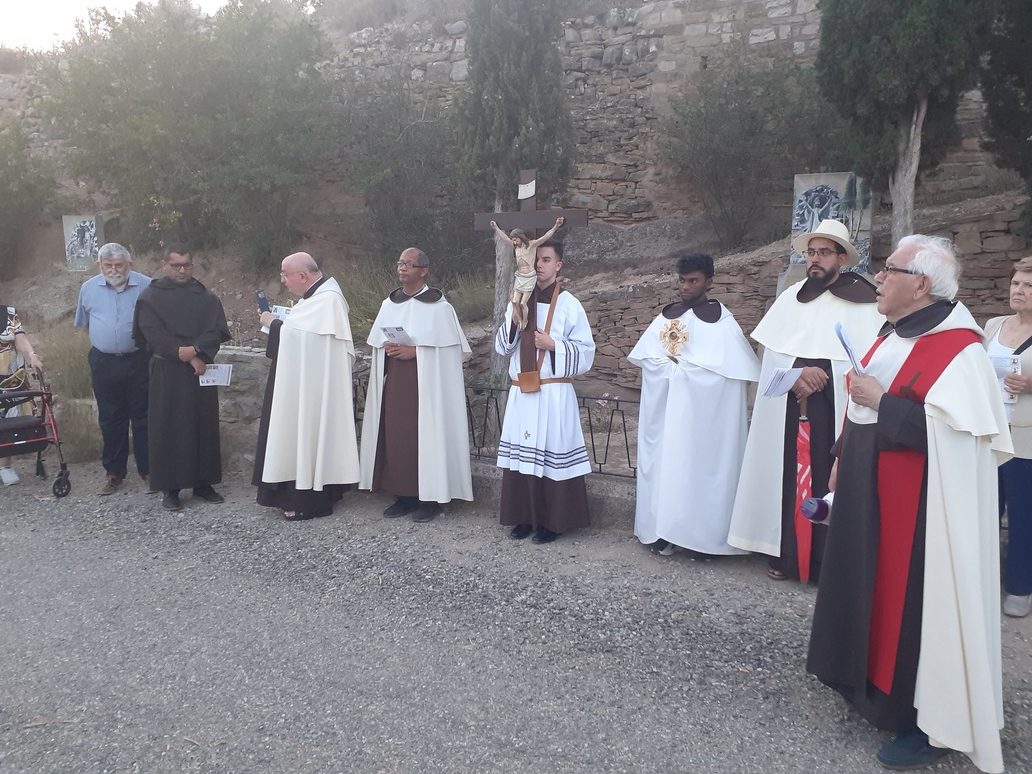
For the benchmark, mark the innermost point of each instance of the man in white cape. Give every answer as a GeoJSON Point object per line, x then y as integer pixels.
{"type": "Point", "coordinates": [695, 366]}
{"type": "Point", "coordinates": [307, 452]}
{"type": "Point", "coordinates": [415, 431]}
{"type": "Point", "coordinates": [798, 331]}
{"type": "Point", "coordinates": [907, 621]}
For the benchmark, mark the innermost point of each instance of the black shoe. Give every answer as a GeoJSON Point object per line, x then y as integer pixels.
{"type": "Point", "coordinates": [170, 501]}
{"type": "Point", "coordinates": [402, 507]}
{"type": "Point", "coordinates": [208, 494]}
{"type": "Point", "coordinates": [521, 531]}
{"type": "Point", "coordinates": [425, 512]}
{"type": "Point", "coordinates": [296, 516]}
{"type": "Point", "coordinates": [544, 536]}
{"type": "Point", "coordinates": [909, 750]}
{"type": "Point", "coordinates": [662, 548]}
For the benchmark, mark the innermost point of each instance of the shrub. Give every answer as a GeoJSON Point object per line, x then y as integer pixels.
{"type": "Point", "coordinates": [26, 183]}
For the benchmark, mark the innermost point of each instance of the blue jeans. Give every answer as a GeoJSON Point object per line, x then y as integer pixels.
{"type": "Point", "coordinates": [120, 387]}
{"type": "Point", "coordinates": [1016, 492]}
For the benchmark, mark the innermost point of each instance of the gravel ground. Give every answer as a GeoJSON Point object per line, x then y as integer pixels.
{"type": "Point", "coordinates": [226, 640]}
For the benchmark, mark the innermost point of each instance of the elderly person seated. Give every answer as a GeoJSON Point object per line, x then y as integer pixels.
{"type": "Point", "coordinates": [1008, 337]}
{"type": "Point", "coordinates": [15, 351]}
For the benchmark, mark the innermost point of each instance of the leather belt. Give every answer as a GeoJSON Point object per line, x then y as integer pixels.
{"type": "Point", "coordinates": [563, 380]}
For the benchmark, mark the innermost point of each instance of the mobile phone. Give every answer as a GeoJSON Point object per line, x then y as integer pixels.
{"type": "Point", "coordinates": [263, 301]}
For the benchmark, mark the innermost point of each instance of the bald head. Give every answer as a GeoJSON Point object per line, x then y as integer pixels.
{"type": "Point", "coordinates": [413, 267]}
{"type": "Point", "coordinates": [299, 271]}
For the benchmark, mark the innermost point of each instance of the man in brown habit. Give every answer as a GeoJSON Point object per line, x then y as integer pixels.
{"type": "Point", "coordinates": [182, 324]}
{"type": "Point", "coordinates": [415, 435]}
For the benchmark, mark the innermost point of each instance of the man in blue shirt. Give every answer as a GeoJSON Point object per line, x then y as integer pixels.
{"type": "Point", "coordinates": [118, 368]}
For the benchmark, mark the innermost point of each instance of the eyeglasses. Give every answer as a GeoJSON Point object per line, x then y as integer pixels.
{"type": "Point", "coordinates": [408, 265]}
{"type": "Point", "coordinates": [823, 252]}
{"type": "Point", "coordinates": [179, 266]}
{"type": "Point", "coordinates": [898, 270]}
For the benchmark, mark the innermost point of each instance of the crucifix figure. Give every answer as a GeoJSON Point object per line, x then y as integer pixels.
{"type": "Point", "coordinates": [526, 278]}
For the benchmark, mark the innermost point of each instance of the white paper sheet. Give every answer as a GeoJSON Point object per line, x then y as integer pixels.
{"type": "Point", "coordinates": [216, 375]}
{"type": "Point", "coordinates": [780, 381]}
{"type": "Point", "coordinates": [848, 346]}
{"type": "Point", "coordinates": [397, 335]}
{"type": "Point", "coordinates": [1004, 365]}
{"type": "Point", "coordinates": [282, 312]}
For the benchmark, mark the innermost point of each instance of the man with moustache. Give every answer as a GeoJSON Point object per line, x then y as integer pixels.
{"type": "Point", "coordinates": [118, 368]}
{"type": "Point", "coordinates": [415, 432]}
{"type": "Point", "coordinates": [182, 324]}
{"type": "Point", "coordinates": [695, 364]}
{"type": "Point", "coordinates": [307, 453]}
{"type": "Point", "coordinates": [798, 331]}
{"type": "Point", "coordinates": [907, 621]}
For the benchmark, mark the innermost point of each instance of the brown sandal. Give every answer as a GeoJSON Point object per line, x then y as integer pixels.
{"type": "Point", "coordinates": [775, 574]}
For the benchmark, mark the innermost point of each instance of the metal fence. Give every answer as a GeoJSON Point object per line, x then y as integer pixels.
{"type": "Point", "coordinates": [609, 433]}
{"type": "Point", "coordinates": [609, 424]}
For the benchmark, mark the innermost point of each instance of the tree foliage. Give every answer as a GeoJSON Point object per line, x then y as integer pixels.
{"type": "Point", "coordinates": [516, 115]}
{"type": "Point", "coordinates": [402, 151]}
{"type": "Point", "coordinates": [26, 183]}
{"type": "Point", "coordinates": [895, 69]}
{"type": "Point", "coordinates": [877, 58]}
{"type": "Point", "coordinates": [739, 125]}
{"type": "Point", "coordinates": [201, 129]}
{"type": "Point", "coordinates": [1007, 86]}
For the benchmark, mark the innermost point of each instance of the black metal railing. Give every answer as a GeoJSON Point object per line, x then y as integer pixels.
{"type": "Point", "coordinates": [604, 421]}
{"type": "Point", "coordinates": [610, 439]}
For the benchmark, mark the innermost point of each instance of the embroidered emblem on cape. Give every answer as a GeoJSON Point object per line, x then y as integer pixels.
{"type": "Point", "coordinates": [673, 336]}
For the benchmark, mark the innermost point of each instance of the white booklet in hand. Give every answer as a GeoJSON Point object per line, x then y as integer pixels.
{"type": "Point", "coordinates": [1004, 365]}
{"type": "Point", "coordinates": [397, 335]}
{"type": "Point", "coordinates": [216, 375]}
{"type": "Point", "coordinates": [780, 382]}
{"type": "Point", "coordinates": [282, 312]}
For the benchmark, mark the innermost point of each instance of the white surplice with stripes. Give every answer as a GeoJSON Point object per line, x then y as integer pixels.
{"type": "Point", "coordinates": [541, 432]}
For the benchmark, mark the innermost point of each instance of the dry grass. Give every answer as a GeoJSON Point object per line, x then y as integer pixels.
{"type": "Point", "coordinates": [80, 434]}
{"type": "Point", "coordinates": [472, 295]}
{"type": "Point", "coordinates": [63, 350]}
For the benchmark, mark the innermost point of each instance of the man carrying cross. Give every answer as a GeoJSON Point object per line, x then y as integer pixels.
{"type": "Point", "coordinates": [541, 450]}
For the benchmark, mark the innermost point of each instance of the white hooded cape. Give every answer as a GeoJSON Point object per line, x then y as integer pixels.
{"type": "Point", "coordinates": [312, 438]}
{"type": "Point", "coordinates": [790, 329]}
{"type": "Point", "coordinates": [444, 465]}
{"type": "Point", "coordinates": [959, 695]}
{"type": "Point", "coordinates": [691, 431]}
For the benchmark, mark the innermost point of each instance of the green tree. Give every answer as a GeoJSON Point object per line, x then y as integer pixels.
{"type": "Point", "coordinates": [26, 184]}
{"type": "Point", "coordinates": [894, 69]}
{"type": "Point", "coordinates": [740, 124]}
{"type": "Point", "coordinates": [200, 128]}
{"type": "Point", "coordinates": [1007, 86]}
{"type": "Point", "coordinates": [516, 114]}
{"type": "Point", "coordinates": [402, 151]}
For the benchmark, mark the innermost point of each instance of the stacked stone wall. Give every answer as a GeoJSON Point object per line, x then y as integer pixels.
{"type": "Point", "coordinates": [989, 238]}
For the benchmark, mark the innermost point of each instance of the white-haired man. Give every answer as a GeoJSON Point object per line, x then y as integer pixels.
{"type": "Point", "coordinates": [118, 368]}
{"type": "Point", "coordinates": [907, 621]}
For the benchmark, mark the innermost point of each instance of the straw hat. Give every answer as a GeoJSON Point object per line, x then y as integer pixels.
{"type": "Point", "coordinates": [834, 230]}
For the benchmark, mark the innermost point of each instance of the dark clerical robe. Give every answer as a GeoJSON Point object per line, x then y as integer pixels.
{"type": "Point", "coordinates": [907, 623]}
{"type": "Point", "coordinates": [796, 332]}
{"type": "Point", "coordinates": [183, 417]}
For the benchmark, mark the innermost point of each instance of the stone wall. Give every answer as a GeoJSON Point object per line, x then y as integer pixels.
{"type": "Point", "coordinates": [990, 235]}
{"type": "Point", "coordinates": [620, 71]}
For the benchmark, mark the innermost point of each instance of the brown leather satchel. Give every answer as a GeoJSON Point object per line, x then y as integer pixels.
{"type": "Point", "coordinates": [530, 381]}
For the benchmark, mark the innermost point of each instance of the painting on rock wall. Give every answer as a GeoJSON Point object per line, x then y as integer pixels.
{"type": "Point", "coordinates": [841, 196]}
{"type": "Point", "coordinates": [83, 236]}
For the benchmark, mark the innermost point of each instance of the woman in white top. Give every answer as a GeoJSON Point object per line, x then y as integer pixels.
{"type": "Point", "coordinates": [1009, 340]}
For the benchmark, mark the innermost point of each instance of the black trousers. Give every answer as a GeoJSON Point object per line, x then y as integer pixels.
{"type": "Point", "coordinates": [120, 387]}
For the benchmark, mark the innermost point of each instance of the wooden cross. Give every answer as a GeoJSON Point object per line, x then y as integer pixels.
{"type": "Point", "coordinates": [529, 217]}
